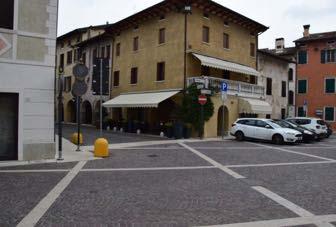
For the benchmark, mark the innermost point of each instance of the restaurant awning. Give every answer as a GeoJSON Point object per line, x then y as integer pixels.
{"type": "Point", "coordinates": [226, 65]}
{"type": "Point", "coordinates": [255, 106]}
{"type": "Point", "coordinates": [140, 100]}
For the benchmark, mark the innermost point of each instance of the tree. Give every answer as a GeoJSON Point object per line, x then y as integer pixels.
{"type": "Point", "coordinates": [190, 110]}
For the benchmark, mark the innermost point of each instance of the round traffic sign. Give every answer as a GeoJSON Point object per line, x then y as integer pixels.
{"type": "Point", "coordinates": [79, 88]}
{"type": "Point", "coordinates": [202, 100]}
{"type": "Point", "coordinates": [80, 71]}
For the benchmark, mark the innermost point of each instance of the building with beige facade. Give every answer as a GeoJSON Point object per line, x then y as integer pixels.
{"type": "Point", "coordinates": [27, 62]}
{"type": "Point", "coordinates": [82, 45]}
{"type": "Point", "coordinates": [160, 51]}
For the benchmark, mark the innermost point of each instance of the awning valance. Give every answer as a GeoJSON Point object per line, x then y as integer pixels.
{"type": "Point", "coordinates": [255, 106]}
{"type": "Point", "coordinates": [226, 65]}
{"type": "Point", "coordinates": [140, 100]}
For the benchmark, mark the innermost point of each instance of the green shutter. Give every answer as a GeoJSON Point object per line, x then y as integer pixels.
{"type": "Point", "coordinates": [323, 56]}
{"type": "Point", "coordinates": [330, 86]}
{"type": "Point", "coordinates": [302, 86]}
{"type": "Point", "coordinates": [329, 114]}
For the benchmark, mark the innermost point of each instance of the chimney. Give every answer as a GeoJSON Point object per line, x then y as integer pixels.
{"type": "Point", "coordinates": [306, 30]}
{"type": "Point", "coordinates": [279, 45]}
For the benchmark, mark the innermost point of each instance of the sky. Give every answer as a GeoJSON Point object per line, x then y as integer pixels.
{"type": "Point", "coordinates": [285, 18]}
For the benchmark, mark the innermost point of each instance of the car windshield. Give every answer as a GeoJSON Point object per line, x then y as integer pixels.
{"type": "Point", "coordinates": [283, 124]}
{"type": "Point", "coordinates": [321, 122]}
{"type": "Point", "coordinates": [274, 124]}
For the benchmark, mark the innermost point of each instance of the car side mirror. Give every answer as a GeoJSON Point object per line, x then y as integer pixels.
{"type": "Point", "coordinates": [268, 127]}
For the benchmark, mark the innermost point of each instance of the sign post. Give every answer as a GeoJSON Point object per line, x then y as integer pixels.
{"type": "Point", "coordinates": [202, 100]}
{"type": "Point", "coordinates": [224, 88]}
{"type": "Point", "coordinates": [80, 71]}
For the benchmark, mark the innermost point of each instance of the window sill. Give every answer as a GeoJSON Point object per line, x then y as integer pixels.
{"type": "Point", "coordinates": [133, 84]}
{"type": "Point", "coordinates": [161, 44]}
{"type": "Point", "coordinates": [160, 81]}
{"type": "Point", "coordinates": [116, 86]}
{"type": "Point", "coordinates": [227, 49]}
{"type": "Point", "coordinates": [205, 43]}
{"type": "Point", "coordinates": [7, 30]}
{"type": "Point", "coordinates": [135, 51]}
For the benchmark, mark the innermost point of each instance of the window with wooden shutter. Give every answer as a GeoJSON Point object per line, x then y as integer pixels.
{"type": "Point", "coordinates": [162, 35]}
{"type": "Point", "coordinates": [269, 86]}
{"type": "Point", "coordinates": [323, 56]}
{"type": "Point", "coordinates": [206, 34]}
{"type": "Point", "coordinates": [136, 43]}
{"type": "Point", "coordinates": [284, 89]}
{"type": "Point", "coordinates": [116, 78]}
{"type": "Point", "coordinates": [303, 57]}
{"type": "Point", "coordinates": [160, 75]}
{"type": "Point", "coordinates": [134, 75]}
{"type": "Point", "coordinates": [291, 98]}
{"type": "Point", "coordinates": [226, 41]}
{"type": "Point", "coordinates": [252, 49]}
{"type": "Point", "coordinates": [330, 85]}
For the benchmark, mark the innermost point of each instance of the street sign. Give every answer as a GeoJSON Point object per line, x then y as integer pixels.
{"type": "Point", "coordinates": [80, 71]}
{"type": "Point", "coordinates": [79, 88]}
{"type": "Point", "coordinates": [224, 96]}
{"type": "Point", "coordinates": [202, 100]}
{"type": "Point", "coordinates": [206, 92]}
{"type": "Point", "coordinates": [224, 87]}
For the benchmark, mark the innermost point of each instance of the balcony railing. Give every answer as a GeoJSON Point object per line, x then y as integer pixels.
{"type": "Point", "coordinates": [235, 88]}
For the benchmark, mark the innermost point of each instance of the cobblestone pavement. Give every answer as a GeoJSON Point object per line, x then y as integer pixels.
{"type": "Point", "coordinates": [224, 183]}
{"type": "Point", "coordinates": [90, 134]}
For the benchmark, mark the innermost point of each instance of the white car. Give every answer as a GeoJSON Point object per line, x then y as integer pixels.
{"type": "Point", "coordinates": [315, 124]}
{"type": "Point", "coordinates": [264, 129]}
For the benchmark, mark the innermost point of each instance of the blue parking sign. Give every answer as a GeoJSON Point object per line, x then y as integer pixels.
{"type": "Point", "coordinates": [224, 87]}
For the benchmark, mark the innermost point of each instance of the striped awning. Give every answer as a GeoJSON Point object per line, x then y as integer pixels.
{"type": "Point", "coordinates": [140, 100]}
{"type": "Point", "coordinates": [226, 65]}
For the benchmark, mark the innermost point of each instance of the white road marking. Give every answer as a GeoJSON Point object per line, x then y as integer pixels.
{"type": "Point", "coordinates": [322, 219]}
{"type": "Point", "coordinates": [229, 148]}
{"type": "Point", "coordinates": [39, 210]}
{"type": "Point", "coordinates": [284, 202]}
{"type": "Point", "coordinates": [35, 171]}
{"type": "Point", "coordinates": [280, 164]}
{"type": "Point", "coordinates": [213, 162]}
{"type": "Point", "coordinates": [149, 169]}
{"type": "Point", "coordinates": [308, 147]}
{"type": "Point", "coordinates": [293, 152]}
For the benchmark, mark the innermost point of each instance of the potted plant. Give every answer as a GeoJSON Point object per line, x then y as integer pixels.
{"type": "Point", "coordinates": [178, 130]}
{"type": "Point", "coordinates": [169, 129]}
{"type": "Point", "coordinates": [187, 130]}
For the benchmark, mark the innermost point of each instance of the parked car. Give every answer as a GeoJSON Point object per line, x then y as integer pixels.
{"type": "Point", "coordinates": [315, 124]}
{"type": "Point", "coordinates": [329, 130]}
{"type": "Point", "coordinates": [264, 129]}
{"type": "Point", "coordinates": [307, 135]}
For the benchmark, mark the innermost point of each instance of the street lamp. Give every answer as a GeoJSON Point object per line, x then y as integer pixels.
{"type": "Point", "coordinates": [60, 112]}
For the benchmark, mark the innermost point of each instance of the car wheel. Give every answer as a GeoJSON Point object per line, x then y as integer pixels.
{"type": "Point", "coordinates": [240, 136]}
{"type": "Point", "coordinates": [278, 139]}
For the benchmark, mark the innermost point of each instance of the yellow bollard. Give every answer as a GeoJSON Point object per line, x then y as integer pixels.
{"type": "Point", "coordinates": [74, 138]}
{"type": "Point", "coordinates": [101, 148]}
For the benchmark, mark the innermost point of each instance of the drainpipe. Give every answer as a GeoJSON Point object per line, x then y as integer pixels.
{"type": "Point", "coordinates": [186, 11]}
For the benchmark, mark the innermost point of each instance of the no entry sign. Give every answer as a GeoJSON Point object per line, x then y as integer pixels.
{"type": "Point", "coordinates": [202, 100]}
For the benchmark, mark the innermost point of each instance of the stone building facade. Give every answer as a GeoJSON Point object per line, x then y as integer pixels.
{"type": "Point", "coordinates": [27, 62]}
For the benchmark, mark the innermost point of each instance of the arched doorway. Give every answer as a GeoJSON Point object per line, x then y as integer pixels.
{"type": "Point", "coordinates": [71, 111]}
{"type": "Point", "coordinates": [220, 121]}
{"type": "Point", "coordinates": [86, 113]}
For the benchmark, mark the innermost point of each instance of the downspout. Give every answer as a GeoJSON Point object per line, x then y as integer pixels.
{"type": "Point", "coordinates": [185, 50]}
{"type": "Point", "coordinates": [56, 72]}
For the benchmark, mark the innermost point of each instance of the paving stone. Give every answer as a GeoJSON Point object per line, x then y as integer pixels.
{"type": "Point", "coordinates": [21, 192]}
{"type": "Point", "coordinates": [251, 155]}
{"type": "Point", "coordinates": [65, 165]}
{"type": "Point", "coordinates": [90, 134]}
{"type": "Point", "coordinates": [311, 187]}
{"type": "Point", "coordinates": [160, 198]}
{"type": "Point", "coordinates": [147, 158]}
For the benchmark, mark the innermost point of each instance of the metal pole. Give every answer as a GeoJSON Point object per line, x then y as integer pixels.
{"type": "Point", "coordinates": [223, 121]}
{"type": "Point", "coordinates": [202, 122]}
{"type": "Point", "coordinates": [101, 97]}
{"type": "Point", "coordinates": [60, 112]}
{"type": "Point", "coordinates": [78, 124]}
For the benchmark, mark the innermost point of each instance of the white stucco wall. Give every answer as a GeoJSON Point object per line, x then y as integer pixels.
{"type": "Point", "coordinates": [276, 69]}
